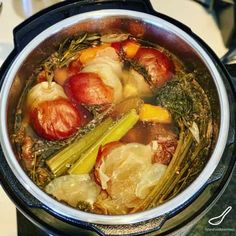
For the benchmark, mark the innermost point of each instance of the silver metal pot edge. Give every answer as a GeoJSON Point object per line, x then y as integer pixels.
{"type": "Point", "coordinates": [132, 218]}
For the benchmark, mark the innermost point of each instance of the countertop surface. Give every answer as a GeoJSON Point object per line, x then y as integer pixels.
{"type": "Point", "coordinates": [190, 13]}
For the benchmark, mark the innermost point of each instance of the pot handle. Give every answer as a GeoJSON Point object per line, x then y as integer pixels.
{"type": "Point", "coordinates": [142, 228]}
{"type": "Point", "coordinates": [42, 20]}
{"type": "Point", "coordinates": [217, 175]}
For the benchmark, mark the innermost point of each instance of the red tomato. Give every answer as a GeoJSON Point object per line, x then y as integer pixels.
{"type": "Point", "coordinates": [88, 88]}
{"type": "Point", "coordinates": [102, 153]}
{"type": "Point", "coordinates": [157, 63]}
{"type": "Point", "coordinates": [56, 119]}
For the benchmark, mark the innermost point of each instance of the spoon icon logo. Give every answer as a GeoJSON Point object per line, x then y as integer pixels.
{"type": "Point", "coordinates": [218, 219]}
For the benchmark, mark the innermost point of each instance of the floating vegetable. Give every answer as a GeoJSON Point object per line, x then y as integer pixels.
{"type": "Point", "coordinates": [109, 69]}
{"type": "Point", "coordinates": [44, 91]}
{"type": "Point", "coordinates": [74, 189]}
{"type": "Point", "coordinates": [88, 54]}
{"type": "Point", "coordinates": [56, 119]}
{"type": "Point", "coordinates": [155, 114]}
{"type": "Point", "coordinates": [59, 163]}
{"type": "Point", "coordinates": [134, 84]}
{"type": "Point", "coordinates": [159, 66]}
{"type": "Point", "coordinates": [127, 174]}
{"type": "Point", "coordinates": [130, 48]}
{"type": "Point", "coordinates": [102, 154]}
{"type": "Point", "coordinates": [114, 133]}
{"type": "Point", "coordinates": [51, 114]}
{"type": "Point", "coordinates": [88, 89]}
{"type": "Point", "coordinates": [62, 74]}
{"type": "Point", "coordinates": [111, 38]}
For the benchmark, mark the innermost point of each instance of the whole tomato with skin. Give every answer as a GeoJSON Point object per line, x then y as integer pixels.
{"type": "Point", "coordinates": [87, 88]}
{"type": "Point", "coordinates": [56, 119]}
{"type": "Point", "coordinates": [159, 66]}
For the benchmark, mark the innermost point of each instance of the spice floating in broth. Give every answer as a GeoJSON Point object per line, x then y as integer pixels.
{"type": "Point", "coordinates": [107, 108]}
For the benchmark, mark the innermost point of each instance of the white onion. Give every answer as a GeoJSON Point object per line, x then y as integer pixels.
{"type": "Point", "coordinates": [74, 188]}
{"type": "Point", "coordinates": [42, 92]}
{"type": "Point", "coordinates": [150, 179]}
{"type": "Point", "coordinates": [127, 173]}
{"type": "Point", "coordinates": [135, 84]}
{"type": "Point", "coordinates": [111, 38]}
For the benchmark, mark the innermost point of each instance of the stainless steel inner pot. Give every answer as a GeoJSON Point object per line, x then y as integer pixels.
{"type": "Point", "coordinates": [150, 28]}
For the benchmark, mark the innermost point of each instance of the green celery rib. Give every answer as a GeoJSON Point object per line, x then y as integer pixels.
{"type": "Point", "coordinates": [87, 160]}
{"type": "Point", "coordinates": [59, 163]}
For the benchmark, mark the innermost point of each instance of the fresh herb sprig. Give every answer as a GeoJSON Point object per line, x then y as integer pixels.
{"type": "Point", "coordinates": [68, 51]}
{"type": "Point", "coordinates": [181, 96]}
{"type": "Point", "coordinates": [70, 47]}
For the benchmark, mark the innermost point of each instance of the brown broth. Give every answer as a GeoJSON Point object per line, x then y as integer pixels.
{"type": "Point", "coordinates": [34, 150]}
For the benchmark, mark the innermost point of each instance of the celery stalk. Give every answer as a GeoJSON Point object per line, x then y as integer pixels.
{"type": "Point", "coordinates": [59, 163]}
{"type": "Point", "coordinates": [114, 133]}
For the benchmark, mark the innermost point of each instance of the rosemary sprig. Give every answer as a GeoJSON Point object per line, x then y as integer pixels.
{"type": "Point", "coordinates": [187, 165]}
{"type": "Point", "coordinates": [67, 53]}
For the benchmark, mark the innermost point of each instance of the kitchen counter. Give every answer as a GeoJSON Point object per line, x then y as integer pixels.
{"type": "Point", "coordinates": [190, 13]}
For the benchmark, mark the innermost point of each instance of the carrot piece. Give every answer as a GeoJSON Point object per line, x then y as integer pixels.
{"type": "Point", "coordinates": [89, 53]}
{"type": "Point", "coordinates": [60, 75]}
{"type": "Point", "coordinates": [154, 113]}
{"type": "Point", "coordinates": [131, 48]}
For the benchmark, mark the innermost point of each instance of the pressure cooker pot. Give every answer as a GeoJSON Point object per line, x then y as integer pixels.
{"type": "Point", "coordinates": [39, 37]}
